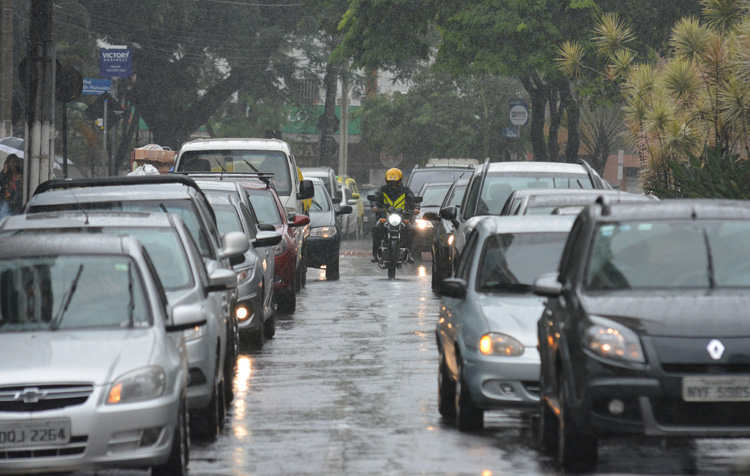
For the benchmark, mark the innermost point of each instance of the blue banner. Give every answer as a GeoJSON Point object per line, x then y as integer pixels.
{"type": "Point", "coordinates": [115, 62]}
{"type": "Point", "coordinates": [96, 86]}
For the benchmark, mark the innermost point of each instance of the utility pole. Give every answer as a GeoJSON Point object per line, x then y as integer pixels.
{"type": "Point", "coordinates": [40, 98]}
{"type": "Point", "coordinates": [344, 125]}
{"type": "Point", "coordinates": [6, 68]}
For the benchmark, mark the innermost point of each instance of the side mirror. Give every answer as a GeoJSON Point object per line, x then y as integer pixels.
{"type": "Point", "coordinates": [336, 200]}
{"type": "Point", "coordinates": [453, 287]}
{"type": "Point", "coordinates": [186, 317]}
{"type": "Point", "coordinates": [234, 243]}
{"type": "Point", "coordinates": [418, 199]}
{"type": "Point", "coordinates": [222, 279]}
{"type": "Point", "coordinates": [306, 190]}
{"type": "Point", "coordinates": [266, 227]}
{"type": "Point", "coordinates": [299, 220]}
{"type": "Point", "coordinates": [345, 210]}
{"type": "Point", "coordinates": [432, 216]}
{"type": "Point", "coordinates": [266, 238]}
{"type": "Point", "coordinates": [548, 285]}
{"type": "Point", "coordinates": [371, 197]}
{"type": "Point", "coordinates": [353, 202]}
{"type": "Point", "coordinates": [448, 213]}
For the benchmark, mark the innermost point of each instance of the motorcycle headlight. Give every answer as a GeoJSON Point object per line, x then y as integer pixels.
{"type": "Point", "coordinates": [395, 219]}
{"type": "Point", "coordinates": [281, 247]}
{"type": "Point", "coordinates": [194, 334]}
{"type": "Point", "coordinates": [612, 340]}
{"type": "Point", "coordinates": [136, 386]}
{"type": "Point", "coordinates": [500, 344]}
{"type": "Point", "coordinates": [423, 224]}
{"type": "Point", "coordinates": [324, 232]}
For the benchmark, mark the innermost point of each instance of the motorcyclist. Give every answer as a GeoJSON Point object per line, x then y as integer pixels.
{"type": "Point", "coordinates": [393, 195]}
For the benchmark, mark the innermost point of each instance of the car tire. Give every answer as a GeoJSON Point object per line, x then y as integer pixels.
{"type": "Point", "coordinates": [548, 426]}
{"type": "Point", "coordinates": [468, 416]}
{"type": "Point", "coordinates": [206, 423]}
{"type": "Point", "coordinates": [332, 269]}
{"type": "Point", "coordinates": [269, 327]}
{"type": "Point", "coordinates": [436, 278]}
{"type": "Point", "coordinates": [576, 449]}
{"type": "Point", "coordinates": [179, 455]}
{"type": "Point", "coordinates": [257, 338]}
{"type": "Point", "coordinates": [287, 303]}
{"type": "Point", "coordinates": [446, 391]}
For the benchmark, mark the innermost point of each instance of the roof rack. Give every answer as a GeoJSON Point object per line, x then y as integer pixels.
{"type": "Point", "coordinates": [606, 204]}
{"type": "Point", "coordinates": [68, 183]}
{"type": "Point", "coordinates": [264, 176]}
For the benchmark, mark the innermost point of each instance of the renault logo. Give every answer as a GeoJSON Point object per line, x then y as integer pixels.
{"type": "Point", "coordinates": [29, 395]}
{"type": "Point", "coordinates": [715, 349]}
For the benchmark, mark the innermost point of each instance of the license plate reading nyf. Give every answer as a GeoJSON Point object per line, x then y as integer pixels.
{"type": "Point", "coordinates": [716, 389]}
{"type": "Point", "coordinates": [34, 433]}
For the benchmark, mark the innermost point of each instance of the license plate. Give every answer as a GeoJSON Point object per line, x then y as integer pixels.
{"type": "Point", "coordinates": [716, 389]}
{"type": "Point", "coordinates": [36, 433]}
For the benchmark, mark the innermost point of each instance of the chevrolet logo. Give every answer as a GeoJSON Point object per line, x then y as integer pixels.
{"type": "Point", "coordinates": [715, 349]}
{"type": "Point", "coordinates": [29, 395]}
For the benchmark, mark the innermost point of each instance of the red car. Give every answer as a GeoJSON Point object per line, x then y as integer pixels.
{"type": "Point", "coordinates": [270, 211]}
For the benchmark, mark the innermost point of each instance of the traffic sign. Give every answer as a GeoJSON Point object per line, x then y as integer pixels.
{"type": "Point", "coordinates": [96, 86]}
{"type": "Point", "coordinates": [519, 112]}
{"type": "Point", "coordinates": [510, 132]}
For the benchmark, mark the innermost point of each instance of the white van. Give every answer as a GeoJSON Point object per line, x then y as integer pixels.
{"type": "Point", "coordinates": [249, 155]}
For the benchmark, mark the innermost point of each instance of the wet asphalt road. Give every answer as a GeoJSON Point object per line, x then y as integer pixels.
{"type": "Point", "coordinates": [348, 387]}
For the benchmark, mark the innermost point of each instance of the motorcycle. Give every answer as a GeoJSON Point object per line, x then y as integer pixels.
{"type": "Point", "coordinates": [391, 254]}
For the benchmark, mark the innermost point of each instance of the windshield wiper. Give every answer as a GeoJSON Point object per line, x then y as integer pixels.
{"type": "Point", "coordinates": [320, 207]}
{"type": "Point", "coordinates": [67, 297]}
{"type": "Point", "coordinates": [515, 288]}
{"type": "Point", "coordinates": [711, 279]}
{"type": "Point", "coordinates": [251, 166]}
{"type": "Point", "coordinates": [131, 301]}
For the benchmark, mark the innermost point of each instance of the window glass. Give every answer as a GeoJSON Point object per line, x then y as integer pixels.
{"type": "Point", "coordinates": [320, 201]}
{"type": "Point", "coordinates": [265, 161]}
{"type": "Point", "coordinates": [511, 262]}
{"type": "Point", "coordinates": [265, 206]}
{"type": "Point", "coordinates": [669, 254]}
{"type": "Point", "coordinates": [71, 292]}
{"type": "Point", "coordinates": [433, 196]}
{"type": "Point", "coordinates": [227, 218]}
{"type": "Point", "coordinates": [457, 196]}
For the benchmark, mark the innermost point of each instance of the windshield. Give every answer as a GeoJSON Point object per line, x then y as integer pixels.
{"type": "Point", "coordinates": [319, 201]}
{"type": "Point", "coordinates": [420, 177]}
{"type": "Point", "coordinates": [184, 208]}
{"type": "Point", "coordinates": [265, 161]}
{"type": "Point", "coordinates": [434, 195]}
{"type": "Point", "coordinates": [669, 254]}
{"type": "Point", "coordinates": [511, 262]}
{"type": "Point", "coordinates": [458, 195]}
{"type": "Point", "coordinates": [265, 206]}
{"type": "Point", "coordinates": [71, 292]}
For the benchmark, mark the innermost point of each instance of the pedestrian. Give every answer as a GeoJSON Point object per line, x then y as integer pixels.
{"type": "Point", "coordinates": [11, 186]}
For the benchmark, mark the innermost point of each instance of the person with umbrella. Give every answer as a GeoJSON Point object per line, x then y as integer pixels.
{"type": "Point", "coordinates": [11, 186]}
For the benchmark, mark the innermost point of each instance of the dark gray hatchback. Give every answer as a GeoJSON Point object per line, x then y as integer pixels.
{"type": "Point", "coordinates": [646, 331]}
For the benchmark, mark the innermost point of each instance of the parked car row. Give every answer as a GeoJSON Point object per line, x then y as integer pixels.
{"type": "Point", "coordinates": [128, 298]}
{"type": "Point", "coordinates": [602, 313]}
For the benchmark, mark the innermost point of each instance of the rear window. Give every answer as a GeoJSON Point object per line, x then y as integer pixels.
{"type": "Point", "coordinates": [265, 161]}
{"type": "Point", "coordinates": [265, 206]}
{"type": "Point", "coordinates": [420, 177]}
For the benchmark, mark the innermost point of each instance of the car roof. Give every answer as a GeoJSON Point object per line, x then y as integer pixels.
{"type": "Point", "coordinates": [217, 185]}
{"type": "Point", "coordinates": [108, 194]}
{"type": "Point", "coordinates": [673, 209]}
{"type": "Point", "coordinates": [76, 219]}
{"type": "Point", "coordinates": [236, 143]}
{"type": "Point", "coordinates": [322, 171]}
{"type": "Point", "coordinates": [528, 166]}
{"type": "Point", "coordinates": [525, 224]}
{"type": "Point", "coordinates": [66, 244]}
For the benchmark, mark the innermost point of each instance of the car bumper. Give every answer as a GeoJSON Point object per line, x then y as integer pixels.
{"type": "Point", "coordinates": [254, 306]}
{"type": "Point", "coordinates": [284, 265]}
{"type": "Point", "coordinates": [321, 251]}
{"type": "Point", "coordinates": [501, 382]}
{"type": "Point", "coordinates": [101, 436]}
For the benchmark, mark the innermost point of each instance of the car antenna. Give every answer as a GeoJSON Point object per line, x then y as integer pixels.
{"type": "Point", "coordinates": [80, 207]}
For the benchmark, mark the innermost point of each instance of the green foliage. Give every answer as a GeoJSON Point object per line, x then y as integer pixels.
{"type": "Point", "coordinates": [713, 174]}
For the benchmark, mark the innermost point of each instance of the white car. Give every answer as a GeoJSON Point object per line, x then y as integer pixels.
{"type": "Point", "coordinates": [96, 367]}
{"type": "Point", "coordinates": [487, 336]}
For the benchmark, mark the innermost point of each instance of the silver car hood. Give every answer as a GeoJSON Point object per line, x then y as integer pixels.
{"type": "Point", "coordinates": [515, 316]}
{"type": "Point", "coordinates": [98, 357]}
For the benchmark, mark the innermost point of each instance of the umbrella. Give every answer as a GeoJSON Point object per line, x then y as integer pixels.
{"type": "Point", "coordinates": [15, 145]}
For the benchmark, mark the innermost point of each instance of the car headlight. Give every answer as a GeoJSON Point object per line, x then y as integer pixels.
{"type": "Point", "coordinates": [395, 219]}
{"type": "Point", "coordinates": [500, 344]}
{"type": "Point", "coordinates": [281, 247]}
{"type": "Point", "coordinates": [324, 232]}
{"type": "Point", "coordinates": [451, 238]}
{"type": "Point", "coordinates": [612, 340]}
{"type": "Point", "coordinates": [143, 384]}
{"type": "Point", "coordinates": [422, 224]}
{"type": "Point", "coordinates": [194, 334]}
{"type": "Point", "coordinates": [243, 274]}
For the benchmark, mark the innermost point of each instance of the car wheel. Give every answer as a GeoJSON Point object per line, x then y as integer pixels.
{"type": "Point", "coordinates": [230, 369]}
{"type": "Point", "coordinates": [468, 416]}
{"type": "Point", "coordinates": [446, 391]}
{"type": "Point", "coordinates": [179, 455]}
{"type": "Point", "coordinates": [332, 269]}
{"type": "Point", "coordinates": [287, 302]}
{"type": "Point", "coordinates": [435, 275]}
{"type": "Point", "coordinates": [257, 338]}
{"type": "Point", "coordinates": [576, 449]}
{"type": "Point", "coordinates": [548, 423]}
{"type": "Point", "coordinates": [269, 327]}
{"type": "Point", "coordinates": [223, 405]}
{"type": "Point", "coordinates": [207, 421]}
